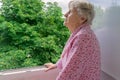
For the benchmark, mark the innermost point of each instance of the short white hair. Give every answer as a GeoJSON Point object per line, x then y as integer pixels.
{"type": "Point", "coordinates": [84, 8]}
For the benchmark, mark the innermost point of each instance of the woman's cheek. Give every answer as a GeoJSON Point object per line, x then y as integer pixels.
{"type": "Point", "coordinates": [70, 16]}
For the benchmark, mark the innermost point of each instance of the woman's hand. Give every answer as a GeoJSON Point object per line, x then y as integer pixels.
{"type": "Point", "coordinates": [50, 66]}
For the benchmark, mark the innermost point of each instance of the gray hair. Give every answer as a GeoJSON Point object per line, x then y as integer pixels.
{"type": "Point", "coordinates": [84, 8]}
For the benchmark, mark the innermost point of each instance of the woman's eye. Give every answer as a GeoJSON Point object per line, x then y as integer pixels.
{"type": "Point", "coordinates": [69, 12]}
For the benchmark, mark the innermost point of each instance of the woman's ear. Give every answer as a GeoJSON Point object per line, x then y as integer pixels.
{"type": "Point", "coordinates": [83, 19]}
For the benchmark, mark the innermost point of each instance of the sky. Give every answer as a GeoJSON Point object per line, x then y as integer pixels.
{"type": "Point", "coordinates": [103, 3]}
{"type": "Point", "coordinates": [64, 3]}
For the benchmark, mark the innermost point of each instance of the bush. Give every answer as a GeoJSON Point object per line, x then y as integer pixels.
{"type": "Point", "coordinates": [31, 33]}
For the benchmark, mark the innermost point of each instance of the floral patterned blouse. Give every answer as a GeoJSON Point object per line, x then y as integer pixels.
{"type": "Point", "coordinates": [80, 59]}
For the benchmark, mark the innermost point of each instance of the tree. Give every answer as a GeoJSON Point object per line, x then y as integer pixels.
{"type": "Point", "coordinates": [31, 33]}
{"type": "Point", "coordinates": [23, 11]}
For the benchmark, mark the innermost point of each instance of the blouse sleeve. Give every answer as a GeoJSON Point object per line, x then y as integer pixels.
{"type": "Point", "coordinates": [59, 64]}
{"type": "Point", "coordinates": [77, 60]}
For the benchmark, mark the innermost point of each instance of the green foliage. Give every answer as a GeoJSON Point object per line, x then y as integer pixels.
{"type": "Point", "coordinates": [23, 11]}
{"type": "Point", "coordinates": [31, 33]}
{"type": "Point", "coordinates": [14, 58]}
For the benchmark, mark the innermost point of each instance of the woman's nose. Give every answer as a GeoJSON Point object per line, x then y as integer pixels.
{"type": "Point", "coordinates": [66, 14]}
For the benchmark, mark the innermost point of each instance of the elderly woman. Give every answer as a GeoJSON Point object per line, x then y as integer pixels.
{"type": "Point", "coordinates": [80, 59]}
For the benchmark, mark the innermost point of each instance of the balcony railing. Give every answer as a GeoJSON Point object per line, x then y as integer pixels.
{"type": "Point", "coordinates": [37, 73]}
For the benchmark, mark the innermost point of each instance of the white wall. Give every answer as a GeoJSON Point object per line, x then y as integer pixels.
{"type": "Point", "coordinates": [110, 51]}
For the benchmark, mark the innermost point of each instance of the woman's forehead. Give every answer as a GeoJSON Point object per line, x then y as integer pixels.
{"type": "Point", "coordinates": [72, 10]}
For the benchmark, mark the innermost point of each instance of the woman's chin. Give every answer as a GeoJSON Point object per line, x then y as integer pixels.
{"type": "Point", "coordinates": [65, 24]}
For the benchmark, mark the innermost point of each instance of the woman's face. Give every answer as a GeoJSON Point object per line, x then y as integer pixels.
{"type": "Point", "coordinates": [71, 17]}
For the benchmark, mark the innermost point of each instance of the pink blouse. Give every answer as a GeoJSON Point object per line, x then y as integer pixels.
{"type": "Point", "coordinates": [80, 59]}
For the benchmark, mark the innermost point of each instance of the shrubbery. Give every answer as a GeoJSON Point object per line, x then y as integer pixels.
{"type": "Point", "coordinates": [31, 33]}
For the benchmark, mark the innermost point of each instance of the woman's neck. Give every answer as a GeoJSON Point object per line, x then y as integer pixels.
{"type": "Point", "coordinates": [74, 27]}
